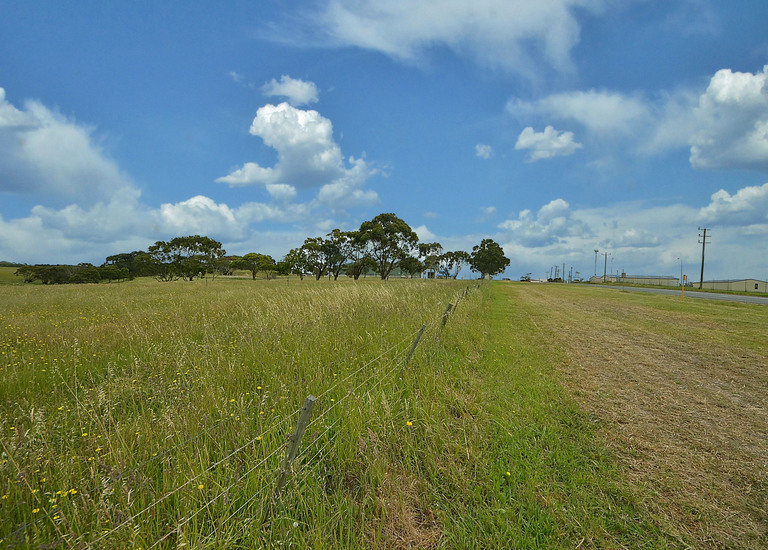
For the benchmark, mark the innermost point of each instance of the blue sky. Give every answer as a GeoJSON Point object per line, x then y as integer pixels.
{"type": "Point", "coordinates": [555, 128]}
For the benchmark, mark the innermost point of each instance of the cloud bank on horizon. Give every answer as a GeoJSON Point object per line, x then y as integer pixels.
{"type": "Point", "coordinates": [569, 158]}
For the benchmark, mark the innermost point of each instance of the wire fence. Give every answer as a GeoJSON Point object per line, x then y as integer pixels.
{"type": "Point", "coordinates": [368, 376]}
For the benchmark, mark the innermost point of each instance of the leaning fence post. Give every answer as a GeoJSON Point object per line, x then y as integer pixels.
{"type": "Point", "coordinates": [293, 446]}
{"type": "Point", "coordinates": [415, 343]}
{"type": "Point", "coordinates": [447, 312]}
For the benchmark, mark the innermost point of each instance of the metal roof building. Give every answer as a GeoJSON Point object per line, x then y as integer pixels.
{"type": "Point", "coordinates": [742, 285]}
{"type": "Point", "coordinates": [652, 280]}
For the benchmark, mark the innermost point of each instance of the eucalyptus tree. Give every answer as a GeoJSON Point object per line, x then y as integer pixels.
{"type": "Point", "coordinates": [389, 240]}
{"type": "Point", "coordinates": [488, 258]}
{"type": "Point", "coordinates": [185, 257]}
{"type": "Point", "coordinates": [359, 261]}
{"type": "Point", "coordinates": [412, 266]}
{"type": "Point", "coordinates": [451, 263]}
{"type": "Point", "coordinates": [319, 255]}
{"type": "Point", "coordinates": [340, 247]}
{"type": "Point", "coordinates": [430, 252]}
{"type": "Point", "coordinates": [297, 262]}
{"type": "Point", "coordinates": [254, 263]}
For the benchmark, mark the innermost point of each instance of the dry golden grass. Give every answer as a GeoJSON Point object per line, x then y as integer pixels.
{"type": "Point", "coordinates": [679, 389]}
{"type": "Point", "coordinates": [404, 518]}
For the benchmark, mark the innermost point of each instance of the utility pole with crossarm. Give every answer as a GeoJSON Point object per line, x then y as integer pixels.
{"type": "Point", "coordinates": [703, 242]}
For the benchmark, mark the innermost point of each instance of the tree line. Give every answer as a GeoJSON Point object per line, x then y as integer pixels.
{"type": "Point", "coordinates": [379, 246]}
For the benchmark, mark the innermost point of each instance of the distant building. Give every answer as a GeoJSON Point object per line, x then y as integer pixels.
{"type": "Point", "coordinates": [742, 285]}
{"type": "Point", "coordinates": [650, 280]}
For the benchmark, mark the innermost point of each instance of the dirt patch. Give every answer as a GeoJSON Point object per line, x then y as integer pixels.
{"type": "Point", "coordinates": [681, 398]}
{"type": "Point", "coordinates": [404, 519]}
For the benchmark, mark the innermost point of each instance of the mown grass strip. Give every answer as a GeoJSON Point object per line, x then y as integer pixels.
{"type": "Point", "coordinates": [541, 478]}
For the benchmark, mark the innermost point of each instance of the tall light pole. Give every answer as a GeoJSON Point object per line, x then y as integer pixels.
{"type": "Point", "coordinates": [596, 251]}
{"type": "Point", "coordinates": [605, 267]}
{"type": "Point", "coordinates": [681, 271]}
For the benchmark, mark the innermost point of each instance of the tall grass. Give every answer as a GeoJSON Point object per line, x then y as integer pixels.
{"type": "Point", "coordinates": [152, 415]}
{"type": "Point", "coordinates": [114, 396]}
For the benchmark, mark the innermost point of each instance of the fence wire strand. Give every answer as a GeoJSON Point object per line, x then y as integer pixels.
{"type": "Point", "coordinates": [391, 365]}
{"type": "Point", "coordinates": [221, 493]}
{"type": "Point", "coordinates": [191, 480]}
{"type": "Point", "coordinates": [394, 362]}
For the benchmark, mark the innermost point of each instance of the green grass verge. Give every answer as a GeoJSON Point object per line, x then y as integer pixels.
{"type": "Point", "coordinates": [540, 477]}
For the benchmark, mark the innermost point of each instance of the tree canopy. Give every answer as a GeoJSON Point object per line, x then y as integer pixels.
{"type": "Point", "coordinates": [488, 258]}
{"type": "Point", "coordinates": [452, 262]}
{"type": "Point", "coordinates": [389, 239]}
{"type": "Point", "coordinates": [185, 257]}
{"type": "Point", "coordinates": [254, 263]}
{"type": "Point", "coordinates": [380, 245]}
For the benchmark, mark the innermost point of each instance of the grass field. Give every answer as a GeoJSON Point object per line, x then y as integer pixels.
{"type": "Point", "coordinates": [151, 415]}
{"type": "Point", "coordinates": [7, 276]}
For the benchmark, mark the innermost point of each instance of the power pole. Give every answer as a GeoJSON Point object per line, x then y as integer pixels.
{"type": "Point", "coordinates": [596, 251]}
{"type": "Point", "coordinates": [703, 242]}
{"type": "Point", "coordinates": [605, 267]}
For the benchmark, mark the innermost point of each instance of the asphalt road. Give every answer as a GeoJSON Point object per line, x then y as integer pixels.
{"type": "Point", "coordinates": [693, 294]}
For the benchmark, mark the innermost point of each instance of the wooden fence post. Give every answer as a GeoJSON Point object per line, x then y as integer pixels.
{"type": "Point", "coordinates": [415, 343]}
{"type": "Point", "coordinates": [293, 446]}
{"type": "Point", "coordinates": [447, 312]}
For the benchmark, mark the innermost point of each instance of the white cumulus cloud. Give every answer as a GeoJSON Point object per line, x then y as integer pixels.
{"type": "Point", "coordinates": [200, 215]}
{"type": "Point", "coordinates": [748, 206]}
{"type": "Point", "coordinates": [297, 92]}
{"type": "Point", "coordinates": [732, 122]}
{"type": "Point", "coordinates": [425, 235]}
{"type": "Point", "coordinates": [307, 154]}
{"type": "Point", "coordinates": [547, 144]}
{"type": "Point", "coordinates": [725, 125]}
{"type": "Point", "coordinates": [551, 224]}
{"type": "Point", "coordinates": [307, 157]}
{"type": "Point", "coordinates": [281, 191]}
{"type": "Point", "coordinates": [44, 154]}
